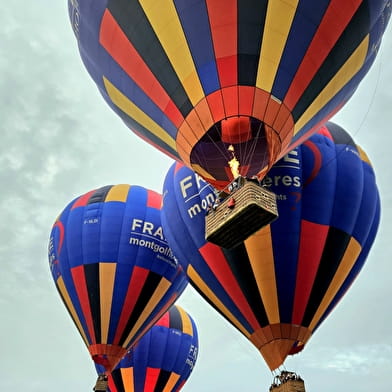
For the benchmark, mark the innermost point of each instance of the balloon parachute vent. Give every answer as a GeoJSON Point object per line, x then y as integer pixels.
{"type": "Point", "coordinates": [288, 382]}
{"type": "Point", "coordinates": [246, 208]}
{"type": "Point", "coordinates": [102, 383]}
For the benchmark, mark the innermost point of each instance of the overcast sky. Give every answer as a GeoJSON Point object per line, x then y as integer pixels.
{"type": "Point", "coordinates": [59, 139]}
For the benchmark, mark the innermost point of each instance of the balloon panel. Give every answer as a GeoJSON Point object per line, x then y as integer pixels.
{"type": "Point", "coordinates": [284, 68]}
{"type": "Point", "coordinates": [279, 285]}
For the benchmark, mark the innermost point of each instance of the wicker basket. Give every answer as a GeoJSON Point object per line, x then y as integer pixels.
{"type": "Point", "coordinates": [289, 386]}
{"type": "Point", "coordinates": [102, 384]}
{"type": "Point", "coordinates": [244, 211]}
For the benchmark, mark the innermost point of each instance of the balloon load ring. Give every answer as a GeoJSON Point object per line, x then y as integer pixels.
{"type": "Point", "coordinates": [238, 214]}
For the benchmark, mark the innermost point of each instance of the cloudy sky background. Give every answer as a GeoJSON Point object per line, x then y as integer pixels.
{"type": "Point", "coordinates": [59, 139]}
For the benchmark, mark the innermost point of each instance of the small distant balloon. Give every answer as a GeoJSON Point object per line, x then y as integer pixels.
{"type": "Point", "coordinates": [162, 360]}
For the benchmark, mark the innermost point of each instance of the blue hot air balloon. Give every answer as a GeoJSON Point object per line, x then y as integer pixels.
{"type": "Point", "coordinates": [113, 268]}
{"type": "Point", "coordinates": [280, 284]}
{"type": "Point", "coordinates": [162, 360]}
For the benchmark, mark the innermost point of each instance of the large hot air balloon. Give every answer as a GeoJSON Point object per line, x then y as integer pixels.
{"type": "Point", "coordinates": [193, 78]}
{"type": "Point", "coordinates": [113, 268]}
{"type": "Point", "coordinates": [280, 284]}
{"type": "Point", "coordinates": [162, 360]}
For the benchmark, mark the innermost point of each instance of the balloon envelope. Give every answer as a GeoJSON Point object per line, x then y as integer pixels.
{"type": "Point", "coordinates": [162, 360]}
{"type": "Point", "coordinates": [194, 77]}
{"type": "Point", "coordinates": [280, 284]}
{"type": "Point", "coordinates": [113, 268]}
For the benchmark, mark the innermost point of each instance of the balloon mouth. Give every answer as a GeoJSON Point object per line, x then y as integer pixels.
{"type": "Point", "coordinates": [276, 341]}
{"type": "Point", "coordinates": [247, 137]}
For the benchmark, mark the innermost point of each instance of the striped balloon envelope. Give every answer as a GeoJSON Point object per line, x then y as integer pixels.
{"type": "Point", "coordinates": [194, 77]}
{"type": "Point", "coordinates": [281, 283]}
{"type": "Point", "coordinates": [162, 360]}
{"type": "Point", "coordinates": [113, 268]}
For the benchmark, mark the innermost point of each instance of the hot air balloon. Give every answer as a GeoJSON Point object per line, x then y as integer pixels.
{"type": "Point", "coordinates": [162, 360]}
{"type": "Point", "coordinates": [113, 269]}
{"type": "Point", "coordinates": [193, 78]}
{"type": "Point", "coordinates": [278, 286]}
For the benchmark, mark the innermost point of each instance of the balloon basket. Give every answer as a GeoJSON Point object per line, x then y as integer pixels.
{"type": "Point", "coordinates": [102, 383]}
{"type": "Point", "coordinates": [288, 382]}
{"type": "Point", "coordinates": [244, 210]}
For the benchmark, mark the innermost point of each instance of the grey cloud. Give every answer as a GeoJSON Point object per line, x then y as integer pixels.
{"type": "Point", "coordinates": [60, 139]}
